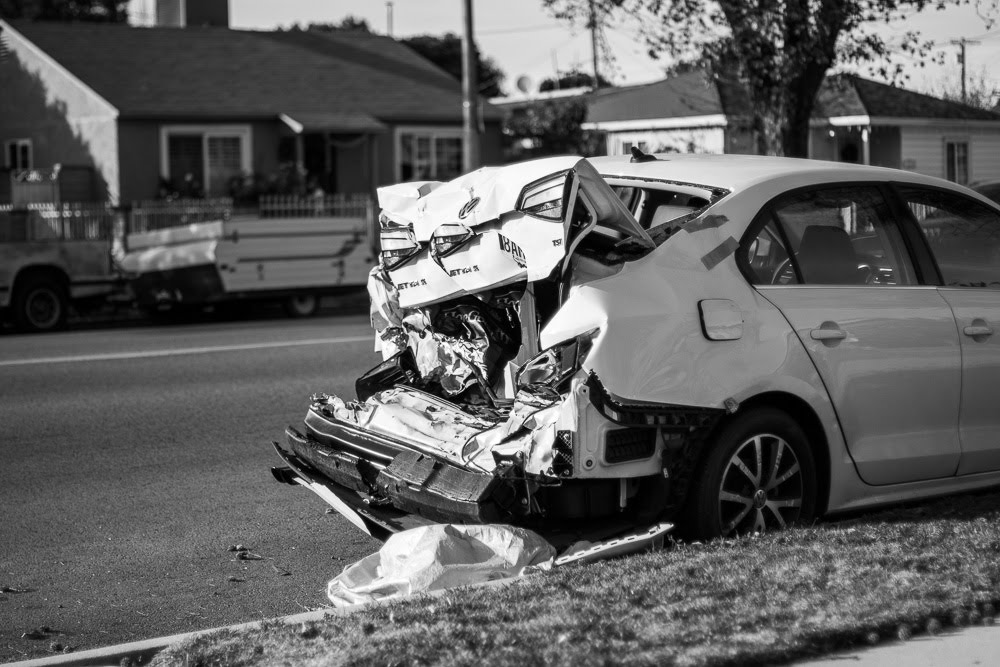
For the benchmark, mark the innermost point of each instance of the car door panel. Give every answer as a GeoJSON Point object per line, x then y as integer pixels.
{"type": "Point", "coordinates": [963, 235]}
{"type": "Point", "coordinates": [977, 313]}
{"type": "Point", "coordinates": [894, 375]}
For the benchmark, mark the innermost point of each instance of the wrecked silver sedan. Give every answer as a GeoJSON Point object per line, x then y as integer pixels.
{"type": "Point", "coordinates": [585, 347]}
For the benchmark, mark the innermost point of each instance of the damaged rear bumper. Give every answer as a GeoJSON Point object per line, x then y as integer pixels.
{"type": "Point", "coordinates": [391, 482]}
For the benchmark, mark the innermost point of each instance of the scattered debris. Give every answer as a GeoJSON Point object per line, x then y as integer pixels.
{"type": "Point", "coordinates": [33, 634]}
{"type": "Point", "coordinates": [235, 579]}
{"type": "Point", "coordinates": [281, 571]}
{"type": "Point", "coordinates": [247, 555]}
{"type": "Point", "coordinates": [11, 589]}
{"type": "Point", "coordinates": [237, 547]}
{"type": "Point", "coordinates": [56, 647]}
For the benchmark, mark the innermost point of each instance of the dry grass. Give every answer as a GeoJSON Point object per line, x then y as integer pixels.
{"type": "Point", "coordinates": [758, 600]}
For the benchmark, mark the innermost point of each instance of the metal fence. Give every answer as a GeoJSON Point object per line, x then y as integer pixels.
{"type": "Point", "coordinates": [98, 221]}
{"type": "Point", "coordinates": [65, 222]}
{"type": "Point", "coordinates": [337, 205]}
{"type": "Point", "coordinates": [150, 215]}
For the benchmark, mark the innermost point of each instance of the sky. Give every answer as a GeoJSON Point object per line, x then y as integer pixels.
{"type": "Point", "coordinates": [525, 41]}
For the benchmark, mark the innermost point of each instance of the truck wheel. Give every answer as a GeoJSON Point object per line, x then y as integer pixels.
{"type": "Point", "coordinates": [40, 304]}
{"type": "Point", "coordinates": [303, 305]}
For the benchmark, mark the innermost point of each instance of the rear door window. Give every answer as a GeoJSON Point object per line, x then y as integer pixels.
{"type": "Point", "coordinates": [838, 236]}
{"type": "Point", "coordinates": [963, 234]}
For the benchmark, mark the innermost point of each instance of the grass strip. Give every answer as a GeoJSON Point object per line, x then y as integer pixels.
{"type": "Point", "coordinates": [750, 601]}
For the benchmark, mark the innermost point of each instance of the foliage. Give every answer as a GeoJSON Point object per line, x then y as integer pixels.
{"type": "Point", "coordinates": [755, 600]}
{"type": "Point", "coordinates": [445, 51]}
{"type": "Point", "coordinates": [781, 49]}
{"type": "Point", "coordinates": [572, 79]}
{"type": "Point", "coordinates": [350, 23]}
{"type": "Point", "coordinates": [981, 91]}
{"type": "Point", "coordinates": [550, 127]}
{"type": "Point", "coordinates": [103, 11]}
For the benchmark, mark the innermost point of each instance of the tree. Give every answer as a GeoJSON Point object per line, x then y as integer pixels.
{"type": "Point", "coordinates": [571, 79]}
{"type": "Point", "coordinates": [981, 91]}
{"type": "Point", "coordinates": [781, 49]}
{"type": "Point", "coordinates": [550, 127]}
{"type": "Point", "coordinates": [350, 23]}
{"type": "Point", "coordinates": [446, 52]}
{"type": "Point", "coordinates": [103, 11]}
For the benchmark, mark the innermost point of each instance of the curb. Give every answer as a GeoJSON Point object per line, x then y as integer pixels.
{"type": "Point", "coordinates": [142, 651]}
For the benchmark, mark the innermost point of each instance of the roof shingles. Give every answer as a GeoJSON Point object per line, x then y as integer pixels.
{"type": "Point", "coordinates": [217, 72]}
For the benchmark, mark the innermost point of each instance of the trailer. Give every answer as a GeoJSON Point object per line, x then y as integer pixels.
{"type": "Point", "coordinates": [292, 259]}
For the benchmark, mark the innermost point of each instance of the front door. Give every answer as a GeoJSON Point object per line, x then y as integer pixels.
{"type": "Point", "coordinates": [964, 237]}
{"type": "Point", "coordinates": [885, 347]}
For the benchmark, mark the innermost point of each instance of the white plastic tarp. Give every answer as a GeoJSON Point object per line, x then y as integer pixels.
{"type": "Point", "coordinates": [440, 556]}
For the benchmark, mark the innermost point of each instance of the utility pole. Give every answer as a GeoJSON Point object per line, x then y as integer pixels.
{"type": "Point", "coordinates": [593, 43]}
{"type": "Point", "coordinates": [961, 57]}
{"type": "Point", "coordinates": [388, 18]}
{"type": "Point", "coordinates": [470, 93]}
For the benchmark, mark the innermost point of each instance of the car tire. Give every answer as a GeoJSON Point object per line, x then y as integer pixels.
{"type": "Point", "coordinates": [759, 474]}
{"type": "Point", "coordinates": [40, 303]}
{"type": "Point", "coordinates": [302, 305]}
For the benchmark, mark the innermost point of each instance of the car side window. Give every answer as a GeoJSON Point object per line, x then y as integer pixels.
{"type": "Point", "coordinates": [963, 234]}
{"type": "Point", "coordinates": [842, 236]}
{"type": "Point", "coordinates": [767, 259]}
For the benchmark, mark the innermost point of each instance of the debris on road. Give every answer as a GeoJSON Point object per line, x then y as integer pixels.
{"type": "Point", "coordinates": [237, 547]}
{"type": "Point", "coordinates": [281, 571]}
{"type": "Point", "coordinates": [440, 556]}
{"type": "Point", "coordinates": [235, 579]}
{"type": "Point", "coordinates": [246, 555]}
{"type": "Point", "coordinates": [11, 589]}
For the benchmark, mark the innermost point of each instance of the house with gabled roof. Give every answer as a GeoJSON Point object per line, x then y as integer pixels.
{"type": "Point", "coordinates": [854, 120]}
{"type": "Point", "coordinates": [201, 109]}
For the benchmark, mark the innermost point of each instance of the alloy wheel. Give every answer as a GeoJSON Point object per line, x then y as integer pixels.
{"type": "Point", "coordinates": [761, 487]}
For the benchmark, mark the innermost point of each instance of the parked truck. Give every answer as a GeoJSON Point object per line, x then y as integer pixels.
{"type": "Point", "coordinates": [53, 255]}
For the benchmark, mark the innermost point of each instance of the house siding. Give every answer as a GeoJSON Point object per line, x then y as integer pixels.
{"type": "Point", "coordinates": [67, 122]}
{"type": "Point", "coordinates": [922, 149]}
{"type": "Point", "coordinates": [681, 140]}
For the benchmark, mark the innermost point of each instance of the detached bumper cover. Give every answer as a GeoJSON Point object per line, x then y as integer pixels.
{"type": "Point", "coordinates": [390, 473]}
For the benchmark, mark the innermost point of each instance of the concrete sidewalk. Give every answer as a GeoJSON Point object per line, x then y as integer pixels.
{"type": "Point", "coordinates": [976, 645]}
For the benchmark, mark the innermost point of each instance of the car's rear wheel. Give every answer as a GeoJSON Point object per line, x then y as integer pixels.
{"type": "Point", "coordinates": [759, 475]}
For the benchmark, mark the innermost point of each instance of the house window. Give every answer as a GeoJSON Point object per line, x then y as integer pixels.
{"type": "Point", "coordinates": [957, 161]}
{"type": "Point", "coordinates": [203, 160]}
{"type": "Point", "coordinates": [18, 154]}
{"type": "Point", "coordinates": [424, 154]}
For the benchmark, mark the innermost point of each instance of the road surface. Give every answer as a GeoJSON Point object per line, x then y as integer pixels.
{"type": "Point", "coordinates": [132, 458]}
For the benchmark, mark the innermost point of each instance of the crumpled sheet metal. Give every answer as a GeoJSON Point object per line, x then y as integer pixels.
{"type": "Point", "coordinates": [440, 428]}
{"type": "Point", "coordinates": [437, 557]}
{"type": "Point", "coordinates": [515, 248]}
{"type": "Point", "coordinates": [414, 416]}
{"type": "Point", "coordinates": [426, 206]}
{"type": "Point", "coordinates": [452, 362]}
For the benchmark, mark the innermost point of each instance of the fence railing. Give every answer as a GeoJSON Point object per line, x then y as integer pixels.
{"type": "Point", "coordinates": [336, 205]}
{"type": "Point", "coordinates": [97, 221]}
{"type": "Point", "coordinates": [65, 222]}
{"type": "Point", "coordinates": [150, 215]}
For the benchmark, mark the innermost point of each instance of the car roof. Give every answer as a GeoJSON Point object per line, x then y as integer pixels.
{"type": "Point", "coordinates": [740, 172]}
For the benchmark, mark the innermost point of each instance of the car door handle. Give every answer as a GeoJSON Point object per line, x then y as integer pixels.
{"type": "Point", "coordinates": [978, 330]}
{"type": "Point", "coordinates": [828, 334]}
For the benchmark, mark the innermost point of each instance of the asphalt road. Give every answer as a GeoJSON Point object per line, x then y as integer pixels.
{"type": "Point", "coordinates": [131, 458]}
